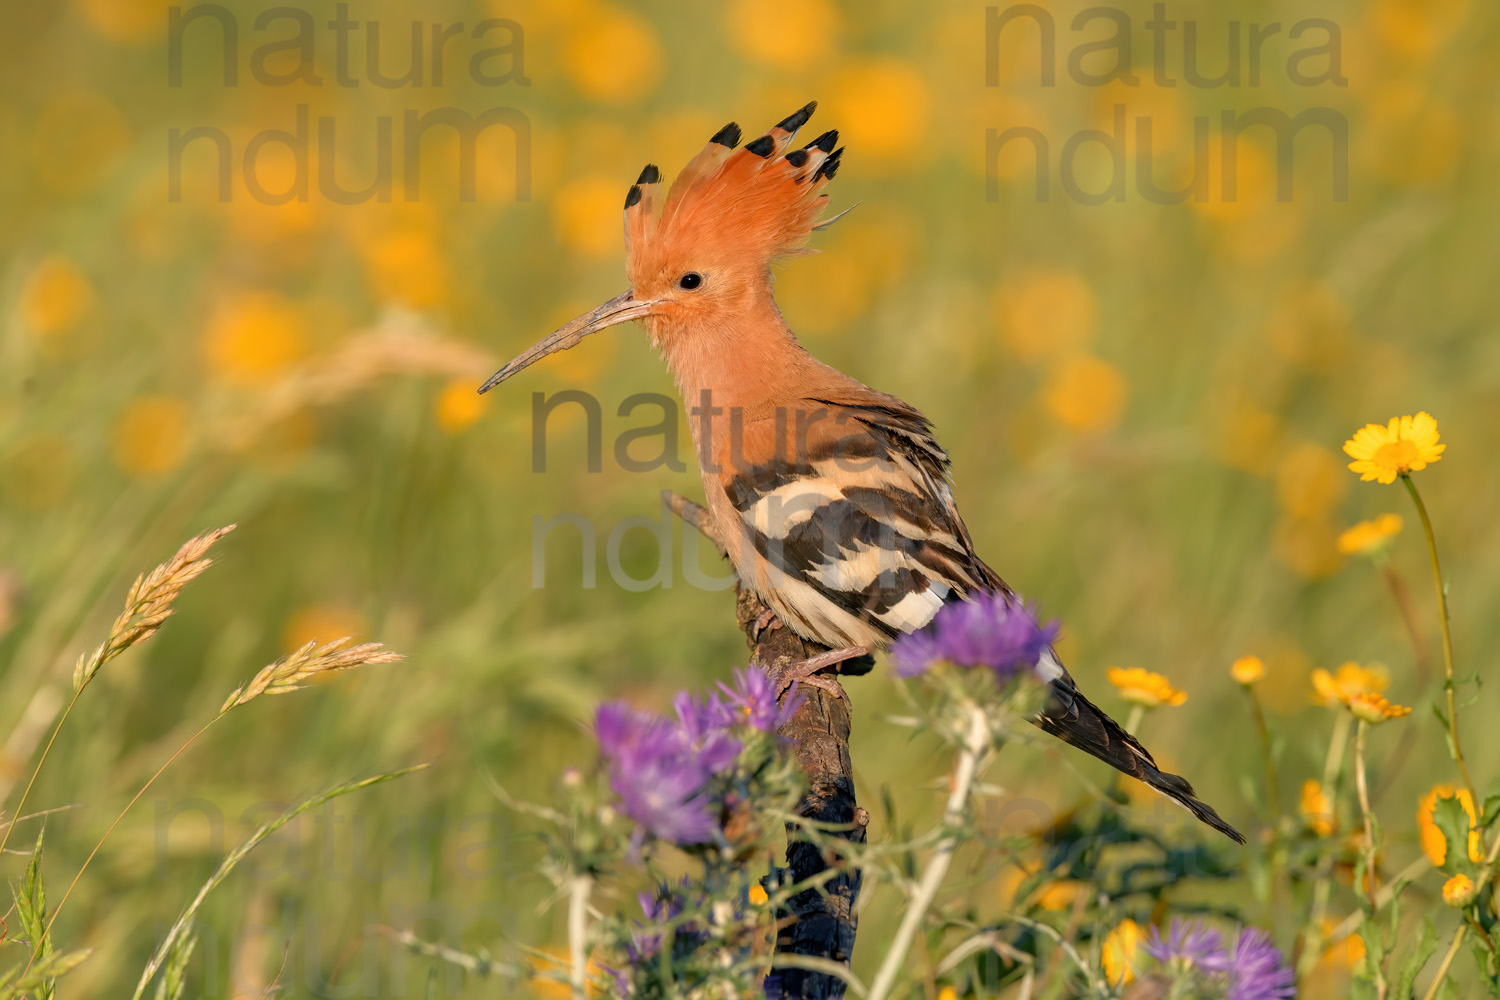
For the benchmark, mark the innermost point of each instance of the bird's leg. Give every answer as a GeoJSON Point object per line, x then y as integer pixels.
{"type": "Point", "coordinates": [806, 672]}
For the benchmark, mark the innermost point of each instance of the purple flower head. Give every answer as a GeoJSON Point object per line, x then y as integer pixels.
{"type": "Point", "coordinates": [699, 718]}
{"type": "Point", "coordinates": [752, 701]}
{"type": "Point", "coordinates": [1257, 970]}
{"type": "Point", "coordinates": [659, 768]}
{"type": "Point", "coordinates": [993, 631]}
{"type": "Point", "coordinates": [917, 651]}
{"type": "Point", "coordinates": [1191, 942]}
{"type": "Point", "coordinates": [701, 722]}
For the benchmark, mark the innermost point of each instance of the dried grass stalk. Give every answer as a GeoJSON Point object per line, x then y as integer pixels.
{"type": "Point", "coordinates": [311, 662]}
{"type": "Point", "coordinates": [149, 603]}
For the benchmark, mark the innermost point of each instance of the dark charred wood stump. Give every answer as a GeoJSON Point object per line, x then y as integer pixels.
{"type": "Point", "coordinates": [820, 922]}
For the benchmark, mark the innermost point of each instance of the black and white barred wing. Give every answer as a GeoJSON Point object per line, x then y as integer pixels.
{"type": "Point", "coordinates": [852, 533]}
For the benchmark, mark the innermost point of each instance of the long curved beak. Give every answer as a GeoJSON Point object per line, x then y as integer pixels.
{"type": "Point", "coordinates": [620, 309]}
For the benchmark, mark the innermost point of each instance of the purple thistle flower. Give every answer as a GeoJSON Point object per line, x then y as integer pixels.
{"type": "Point", "coordinates": [1199, 946]}
{"type": "Point", "coordinates": [699, 718]}
{"type": "Point", "coordinates": [992, 630]}
{"type": "Point", "coordinates": [917, 651]}
{"type": "Point", "coordinates": [1257, 970]}
{"type": "Point", "coordinates": [659, 768]}
{"type": "Point", "coordinates": [752, 701]}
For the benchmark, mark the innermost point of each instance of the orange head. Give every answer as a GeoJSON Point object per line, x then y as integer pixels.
{"type": "Point", "coordinates": [704, 251]}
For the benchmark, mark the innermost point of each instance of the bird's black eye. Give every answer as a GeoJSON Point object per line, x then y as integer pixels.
{"type": "Point", "coordinates": [690, 281]}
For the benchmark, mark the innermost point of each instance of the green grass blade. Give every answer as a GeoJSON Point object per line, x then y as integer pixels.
{"type": "Point", "coordinates": [179, 929]}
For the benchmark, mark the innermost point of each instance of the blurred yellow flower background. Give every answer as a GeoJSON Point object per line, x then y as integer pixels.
{"type": "Point", "coordinates": [1144, 687]}
{"type": "Point", "coordinates": [1247, 670]}
{"type": "Point", "coordinates": [1316, 807]}
{"type": "Point", "coordinates": [1143, 402]}
{"type": "Point", "coordinates": [1370, 537]}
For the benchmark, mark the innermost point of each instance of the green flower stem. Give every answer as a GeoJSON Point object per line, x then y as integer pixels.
{"type": "Point", "coordinates": [1273, 794]}
{"type": "Point", "coordinates": [976, 743]}
{"type": "Point", "coordinates": [1442, 972]}
{"type": "Point", "coordinates": [1366, 815]}
{"type": "Point", "coordinates": [1442, 599]}
{"type": "Point", "coordinates": [1313, 938]}
{"type": "Point", "coordinates": [1362, 787]}
{"type": "Point", "coordinates": [578, 915]}
{"type": "Point", "coordinates": [1333, 763]}
{"type": "Point", "coordinates": [1402, 597]}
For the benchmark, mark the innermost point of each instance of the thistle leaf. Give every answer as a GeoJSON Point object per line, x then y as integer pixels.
{"type": "Point", "coordinates": [1411, 965]}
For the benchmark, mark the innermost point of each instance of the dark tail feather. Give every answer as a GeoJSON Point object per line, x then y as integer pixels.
{"type": "Point", "coordinates": [1074, 719]}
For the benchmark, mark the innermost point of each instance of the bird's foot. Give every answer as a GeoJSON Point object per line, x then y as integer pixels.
{"type": "Point", "coordinates": [808, 670]}
{"type": "Point", "coordinates": [765, 620]}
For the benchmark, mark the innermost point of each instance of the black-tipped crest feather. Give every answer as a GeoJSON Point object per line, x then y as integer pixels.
{"type": "Point", "coordinates": [762, 146]}
{"type": "Point", "coordinates": [798, 118]}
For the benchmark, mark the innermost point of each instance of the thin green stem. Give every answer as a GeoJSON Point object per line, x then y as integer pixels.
{"type": "Point", "coordinates": [1361, 728]}
{"type": "Point", "coordinates": [134, 799]}
{"type": "Point", "coordinates": [1313, 937]}
{"type": "Point", "coordinates": [1442, 600]}
{"type": "Point", "coordinates": [1442, 972]}
{"type": "Point", "coordinates": [1371, 889]}
{"type": "Point", "coordinates": [1273, 795]}
{"type": "Point", "coordinates": [1333, 763]}
{"type": "Point", "coordinates": [1402, 597]}
{"type": "Point", "coordinates": [26, 792]}
{"type": "Point", "coordinates": [578, 917]}
{"type": "Point", "coordinates": [1384, 896]}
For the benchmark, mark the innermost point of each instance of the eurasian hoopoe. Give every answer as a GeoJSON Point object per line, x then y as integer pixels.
{"type": "Point", "coordinates": [832, 499]}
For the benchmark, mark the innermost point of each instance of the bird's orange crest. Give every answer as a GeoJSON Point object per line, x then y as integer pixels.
{"type": "Point", "coordinates": [699, 257]}
{"type": "Point", "coordinates": [741, 206]}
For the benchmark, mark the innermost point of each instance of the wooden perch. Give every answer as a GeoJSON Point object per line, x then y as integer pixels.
{"type": "Point", "coordinates": [818, 923]}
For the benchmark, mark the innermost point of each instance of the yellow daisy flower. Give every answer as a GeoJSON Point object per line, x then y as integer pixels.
{"type": "Point", "coordinates": [1334, 689]}
{"type": "Point", "coordinates": [1368, 538]}
{"type": "Point", "coordinates": [1316, 807]}
{"type": "Point", "coordinates": [1459, 891]}
{"type": "Point", "coordinates": [1406, 444]}
{"type": "Point", "coordinates": [1434, 844]}
{"type": "Point", "coordinates": [1144, 687]}
{"type": "Point", "coordinates": [1247, 670]}
{"type": "Point", "coordinates": [1120, 946]}
{"type": "Point", "coordinates": [1371, 707]}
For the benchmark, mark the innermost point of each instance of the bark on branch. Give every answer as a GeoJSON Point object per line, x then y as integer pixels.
{"type": "Point", "coordinates": [818, 923]}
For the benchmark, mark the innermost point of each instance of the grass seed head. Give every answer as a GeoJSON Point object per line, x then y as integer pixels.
{"type": "Point", "coordinates": [307, 664]}
{"type": "Point", "coordinates": [149, 603]}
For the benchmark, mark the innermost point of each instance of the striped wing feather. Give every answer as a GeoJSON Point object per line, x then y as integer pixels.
{"type": "Point", "coordinates": [852, 536]}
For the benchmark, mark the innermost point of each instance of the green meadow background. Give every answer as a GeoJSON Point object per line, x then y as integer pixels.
{"type": "Point", "coordinates": [1144, 403]}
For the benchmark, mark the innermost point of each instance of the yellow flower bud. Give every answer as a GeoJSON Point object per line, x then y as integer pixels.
{"type": "Point", "coordinates": [1459, 891]}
